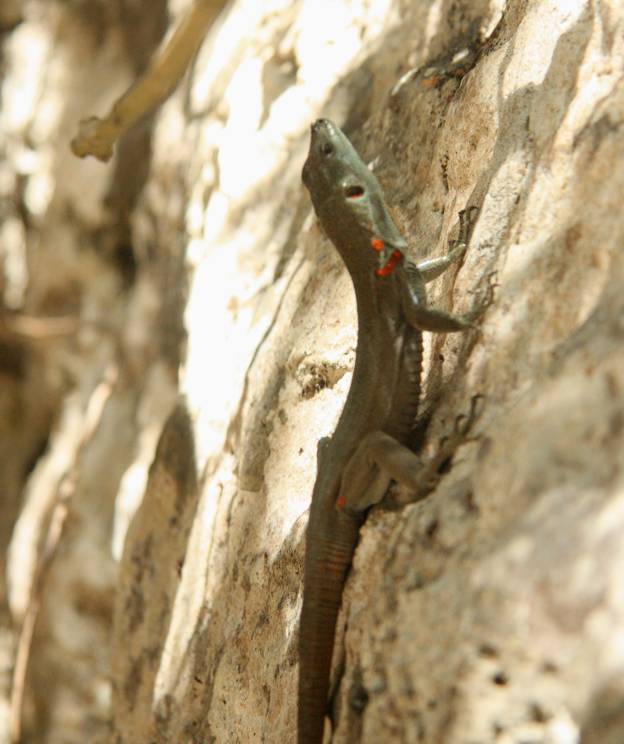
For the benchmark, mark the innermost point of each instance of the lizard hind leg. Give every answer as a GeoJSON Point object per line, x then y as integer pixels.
{"type": "Point", "coordinates": [377, 459]}
{"type": "Point", "coordinates": [380, 458]}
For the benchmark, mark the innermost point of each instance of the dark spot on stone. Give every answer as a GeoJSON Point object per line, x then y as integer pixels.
{"type": "Point", "coordinates": [538, 714]}
{"type": "Point", "coordinates": [470, 503]}
{"type": "Point", "coordinates": [500, 678]}
{"type": "Point", "coordinates": [487, 650]}
{"type": "Point", "coordinates": [616, 423]}
{"type": "Point", "coordinates": [358, 696]}
{"type": "Point", "coordinates": [550, 667]}
{"type": "Point", "coordinates": [445, 465]}
{"type": "Point", "coordinates": [486, 446]}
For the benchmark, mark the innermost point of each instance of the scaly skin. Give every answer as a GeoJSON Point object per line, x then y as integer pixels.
{"type": "Point", "coordinates": [373, 430]}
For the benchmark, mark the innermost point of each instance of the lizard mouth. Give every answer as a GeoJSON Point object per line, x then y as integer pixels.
{"type": "Point", "coordinates": [389, 257]}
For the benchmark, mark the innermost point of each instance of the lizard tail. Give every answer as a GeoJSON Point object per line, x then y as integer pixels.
{"type": "Point", "coordinates": [326, 569]}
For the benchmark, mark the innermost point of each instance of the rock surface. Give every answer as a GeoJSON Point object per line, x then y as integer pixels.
{"type": "Point", "coordinates": [214, 338]}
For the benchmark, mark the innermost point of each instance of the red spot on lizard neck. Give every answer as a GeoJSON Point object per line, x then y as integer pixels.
{"type": "Point", "coordinates": [393, 262]}
{"type": "Point", "coordinates": [377, 244]}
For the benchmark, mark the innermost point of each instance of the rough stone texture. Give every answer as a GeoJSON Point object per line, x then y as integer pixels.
{"type": "Point", "coordinates": [490, 612]}
{"type": "Point", "coordinates": [83, 402]}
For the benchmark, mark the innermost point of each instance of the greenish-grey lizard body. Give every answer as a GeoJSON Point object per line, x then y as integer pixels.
{"type": "Point", "coordinates": [369, 446]}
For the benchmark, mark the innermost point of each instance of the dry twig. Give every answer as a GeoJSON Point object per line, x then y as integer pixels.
{"type": "Point", "coordinates": [97, 136]}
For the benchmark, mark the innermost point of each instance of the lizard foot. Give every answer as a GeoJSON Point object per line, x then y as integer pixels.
{"type": "Point", "coordinates": [467, 220]}
{"type": "Point", "coordinates": [484, 301]}
{"type": "Point", "coordinates": [380, 458]}
{"type": "Point", "coordinates": [431, 471]}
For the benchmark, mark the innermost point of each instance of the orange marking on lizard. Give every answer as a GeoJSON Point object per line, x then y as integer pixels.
{"type": "Point", "coordinates": [377, 244]}
{"type": "Point", "coordinates": [393, 262]}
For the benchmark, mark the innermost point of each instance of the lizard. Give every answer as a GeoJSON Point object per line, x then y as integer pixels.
{"type": "Point", "coordinates": [368, 448]}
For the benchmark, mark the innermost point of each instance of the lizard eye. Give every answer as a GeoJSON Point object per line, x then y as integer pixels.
{"type": "Point", "coordinates": [354, 192]}
{"type": "Point", "coordinates": [327, 148]}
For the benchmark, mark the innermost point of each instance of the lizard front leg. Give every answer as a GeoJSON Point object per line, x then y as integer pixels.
{"type": "Point", "coordinates": [417, 313]}
{"type": "Point", "coordinates": [424, 318]}
{"type": "Point", "coordinates": [432, 268]}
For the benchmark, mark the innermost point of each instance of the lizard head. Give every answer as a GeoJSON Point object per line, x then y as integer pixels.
{"type": "Point", "coordinates": [347, 198]}
{"type": "Point", "coordinates": [333, 167]}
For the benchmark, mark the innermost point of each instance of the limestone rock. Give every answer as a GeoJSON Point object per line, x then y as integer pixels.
{"type": "Point", "coordinates": [492, 611]}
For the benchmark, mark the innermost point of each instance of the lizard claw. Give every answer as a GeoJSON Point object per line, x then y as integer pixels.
{"type": "Point", "coordinates": [464, 422]}
{"type": "Point", "coordinates": [466, 222]}
{"type": "Point", "coordinates": [480, 309]}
